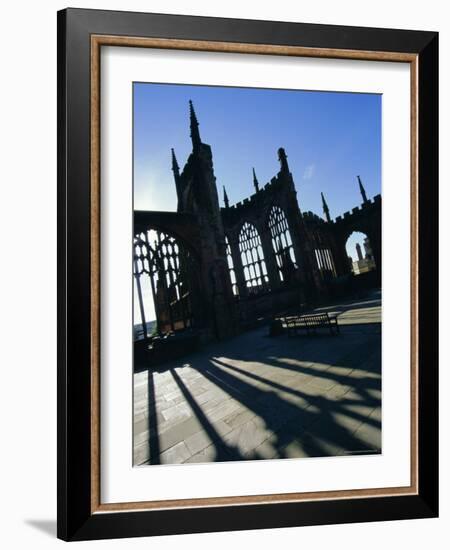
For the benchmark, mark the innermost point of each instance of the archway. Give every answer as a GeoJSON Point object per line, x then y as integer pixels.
{"type": "Point", "coordinates": [360, 254]}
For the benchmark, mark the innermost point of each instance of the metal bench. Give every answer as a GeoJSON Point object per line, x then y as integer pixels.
{"type": "Point", "coordinates": [311, 322]}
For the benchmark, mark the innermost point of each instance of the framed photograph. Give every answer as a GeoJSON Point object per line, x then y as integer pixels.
{"type": "Point", "coordinates": [247, 274]}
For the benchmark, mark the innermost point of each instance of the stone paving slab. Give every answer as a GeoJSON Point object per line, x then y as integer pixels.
{"type": "Point", "coordinates": [256, 397]}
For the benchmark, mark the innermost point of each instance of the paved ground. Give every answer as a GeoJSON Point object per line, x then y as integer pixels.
{"type": "Point", "coordinates": [256, 397]}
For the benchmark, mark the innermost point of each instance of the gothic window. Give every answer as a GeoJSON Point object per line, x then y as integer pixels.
{"type": "Point", "coordinates": [324, 260]}
{"type": "Point", "coordinates": [281, 242]}
{"type": "Point", "coordinates": [161, 267]}
{"type": "Point", "coordinates": [231, 268]}
{"type": "Point", "coordinates": [255, 271]}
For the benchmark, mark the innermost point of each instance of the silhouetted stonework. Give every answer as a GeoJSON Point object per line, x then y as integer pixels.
{"type": "Point", "coordinates": [253, 259]}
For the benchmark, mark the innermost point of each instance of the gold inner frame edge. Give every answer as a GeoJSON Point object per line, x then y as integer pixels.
{"type": "Point", "coordinates": [97, 41]}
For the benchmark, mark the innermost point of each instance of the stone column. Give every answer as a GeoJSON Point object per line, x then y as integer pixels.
{"type": "Point", "coordinates": [269, 257]}
{"type": "Point", "coordinates": [237, 264]}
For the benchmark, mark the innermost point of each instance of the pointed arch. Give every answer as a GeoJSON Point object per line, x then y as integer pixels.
{"type": "Point", "coordinates": [252, 256]}
{"type": "Point", "coordinates": [163, 284]}
{"type": "Point", "coordinates": [359, 253]}
{"type": "Point", "coordinates": [282, 242]}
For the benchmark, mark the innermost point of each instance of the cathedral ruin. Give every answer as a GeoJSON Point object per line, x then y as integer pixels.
{"type": "Point", "coordinates": [217, 270]}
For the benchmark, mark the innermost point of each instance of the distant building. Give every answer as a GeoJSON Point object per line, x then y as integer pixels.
{"type": "Point", "coordinates": [366, 263]}
{"type": "Point", "coordinates": [363, 266]}
{"type": "Point", "coordinates": [368, 249]}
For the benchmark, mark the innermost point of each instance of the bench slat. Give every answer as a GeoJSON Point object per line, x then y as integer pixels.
{"type": "Point", "coordinates": [311, 321]}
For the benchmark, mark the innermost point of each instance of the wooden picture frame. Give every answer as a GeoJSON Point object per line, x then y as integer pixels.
{"type": "Point", "coordinates": [81, 35]}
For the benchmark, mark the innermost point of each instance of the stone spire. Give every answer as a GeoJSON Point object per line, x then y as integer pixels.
{"type": "Point", "coordinates": [283, 160]}
{"type": "Point", "coordinates": [326, 210]}
{"type": "Point", "coordinates": [176, 176]}
{"type": "Point", "coordinates": [362, 190]}
{"type": "Point", "coordinates": [175, 167]}
{"type": "Point", "coordinates": [255, 181]}
{"type": "Point", "coordinates": [225, 198]}
{"type": "Point", "coordinates": [195, 134]}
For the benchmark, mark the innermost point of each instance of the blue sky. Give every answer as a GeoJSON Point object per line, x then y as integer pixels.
{"type": "Point", "coordinates": [329, 139]}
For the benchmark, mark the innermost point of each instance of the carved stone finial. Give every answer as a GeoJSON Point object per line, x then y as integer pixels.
{"type": "Point", "coordinates": [225, 198]}
{"type": "Point", "coordinates": [255, 181]}
{"type": "Point", "coordinates": [362, 190]}
{"type": "Point", "coordinates": [195, 134]}
{"type": "Point", "coordinates": [326, 210]}
{"type": "Point", "coordinates": [283, 159]}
